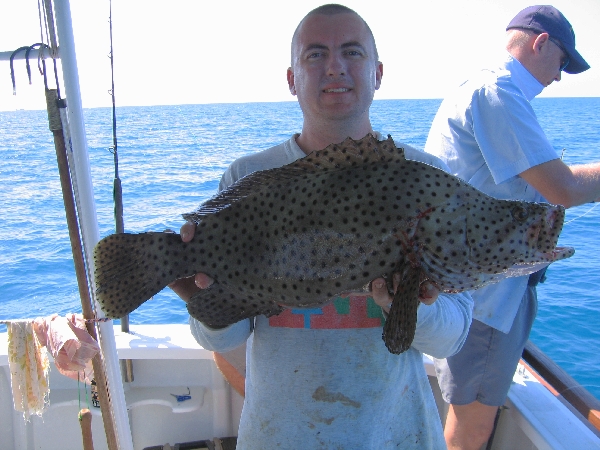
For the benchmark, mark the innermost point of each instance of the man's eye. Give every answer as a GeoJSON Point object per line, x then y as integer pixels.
{"type": "Point", "coordinates": [314, 55]}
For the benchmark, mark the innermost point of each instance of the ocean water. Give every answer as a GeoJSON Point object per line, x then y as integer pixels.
{"type": "Point", "coordinates": [171, 159]}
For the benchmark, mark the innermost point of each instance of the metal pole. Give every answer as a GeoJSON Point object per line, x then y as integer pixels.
{"type": "Point", "coordinates": [56, 126]}
{"type": "Point", "coordinates": [87, 213]}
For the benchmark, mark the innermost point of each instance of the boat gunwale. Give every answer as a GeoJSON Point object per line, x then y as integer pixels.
{"type": "Point", "coordinates": [563, 385]}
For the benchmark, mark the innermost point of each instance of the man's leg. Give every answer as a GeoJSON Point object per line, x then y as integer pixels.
{"type": "Point", "coordinates": [232, 365]}
{"type": "Point", "coordinates": [468, 427]}
{"type": "Point", "coordinates": [476, 380]}
{"type": "Point", "coordinates": [230, 373]}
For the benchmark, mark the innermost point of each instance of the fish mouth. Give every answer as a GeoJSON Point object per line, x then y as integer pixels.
{"type": "Point", "coordinates": [559, 253]}
{"type": "Point", "coordinates": [544, 260]}
{"type": "Point", "coordinates": [547, 257]}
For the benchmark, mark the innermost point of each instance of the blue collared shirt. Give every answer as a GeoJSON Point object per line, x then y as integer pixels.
{"type": "Point", "coordinates": [487, 133]}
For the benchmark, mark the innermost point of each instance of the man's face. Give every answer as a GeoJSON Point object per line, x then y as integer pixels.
{"type": "Point", "coordinates": [548, 65]}
{"type": "Point", "coordinates": [334, 71]}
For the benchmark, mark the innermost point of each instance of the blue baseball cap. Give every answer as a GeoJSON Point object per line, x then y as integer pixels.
{"type": "Point", "coordinates": [548, 19]}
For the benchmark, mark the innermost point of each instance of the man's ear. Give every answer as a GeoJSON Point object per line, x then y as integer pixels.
{"type": "Point", "coordinates": [540, 42]}
{"type": "Point", "coordinates": [290, 80]}
{"type": "Point", "coordinates": [378, 75]}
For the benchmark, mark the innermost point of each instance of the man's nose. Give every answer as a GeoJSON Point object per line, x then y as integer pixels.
{"type": "Point", "coordinates": [336, 66]}
{"type": "Point", "coordinates": [559, 76]}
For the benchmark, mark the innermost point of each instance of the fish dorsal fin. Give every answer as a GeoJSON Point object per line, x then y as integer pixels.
{"type": "Point", "coordinates": [350, 153]}
{"type": "Point", "coordinates": [347, 154]}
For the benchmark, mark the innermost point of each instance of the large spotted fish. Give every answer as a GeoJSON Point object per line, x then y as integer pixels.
{"type": "Point", "coordinates": [329, 223]}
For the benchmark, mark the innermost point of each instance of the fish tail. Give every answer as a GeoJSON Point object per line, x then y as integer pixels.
{"type": "Point", "coordinates": [131, 268]}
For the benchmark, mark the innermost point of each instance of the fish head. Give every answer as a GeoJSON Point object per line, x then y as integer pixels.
{"type": "Point", "coordinates": [475, 239]}
{"type": "Point", "coordinates": [509, 233]}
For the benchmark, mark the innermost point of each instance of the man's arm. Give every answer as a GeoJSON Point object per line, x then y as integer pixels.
{"type": "Point", "coordinates": [443, 326]}
{"type": "Point", "coordinates": [186, 287]}
{"type": "Point", "coordinates": [230, 373]}
{"type": "Point", "coordinates": [215, 339]}
{"type": "Point", "coordinates": [565, 185]}
{"type": "Point", "coordinates": [443, 321]}
{"type": "Point", "coordinates": [517, 136]}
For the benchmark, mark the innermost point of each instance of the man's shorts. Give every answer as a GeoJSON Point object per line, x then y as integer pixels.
{"type": "Point", "coordinates": [483, 369]}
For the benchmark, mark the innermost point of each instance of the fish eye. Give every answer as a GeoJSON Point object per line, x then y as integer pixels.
{"type": "Point", "coordinates": [520, 214]}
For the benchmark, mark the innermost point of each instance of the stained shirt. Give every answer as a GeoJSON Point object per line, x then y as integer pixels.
{"type": "Point", "coordinates": [487, 132]}
{"type": "Point", "coordinates": [322, 378]}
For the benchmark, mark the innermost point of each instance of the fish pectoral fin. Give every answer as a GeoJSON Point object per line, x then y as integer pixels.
{"type": "Point", "coordinates": [220, 306]}
{"type": "Point", "coordinates": [401, 323]}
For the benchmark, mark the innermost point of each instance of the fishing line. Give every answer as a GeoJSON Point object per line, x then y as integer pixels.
{"type": "Point", "coordinates": [126, 364]}
{"type": "Point", "coordinates": [584, 214]}
{"type": "Point", "coordinates": [50, 28]}
{"type": "Point", "coordinates": [117, 191]}
{"type": "Point", "coordinates": [79, 382]}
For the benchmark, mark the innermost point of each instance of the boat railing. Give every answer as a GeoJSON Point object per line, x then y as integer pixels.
{"type": "Point", "coordinates": [562, 385]}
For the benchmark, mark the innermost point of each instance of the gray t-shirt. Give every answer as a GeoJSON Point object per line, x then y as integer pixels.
{"type": "Point", "coordinates": [322, 378]}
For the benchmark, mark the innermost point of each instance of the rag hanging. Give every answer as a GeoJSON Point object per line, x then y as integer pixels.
{"type": "Point", "coordinates": [67, 340]}
{"type": "Point", "coordinates": [28, 363]}
{"type": "Point", "coordinates": [69, 343]}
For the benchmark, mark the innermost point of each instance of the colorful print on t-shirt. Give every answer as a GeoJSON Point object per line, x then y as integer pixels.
{"type": "Point", "coordinates": [355, 311]}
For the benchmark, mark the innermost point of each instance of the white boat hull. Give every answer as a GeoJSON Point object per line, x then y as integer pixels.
{"type": "Point", "coordinates": [166, 360]}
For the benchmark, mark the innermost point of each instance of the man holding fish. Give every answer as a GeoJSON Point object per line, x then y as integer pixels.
{"type": "Point", "coordinates": [487, 132]}
{"type": "Point", "coordinates": [322, 377]}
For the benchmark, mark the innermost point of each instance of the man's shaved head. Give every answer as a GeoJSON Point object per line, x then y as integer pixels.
{"type": "Point", "coordinates": [330, 10]}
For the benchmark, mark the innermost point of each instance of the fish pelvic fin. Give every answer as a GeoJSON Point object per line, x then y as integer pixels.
{"type": "Point", "coordinates": [401, 323]}
{"type": "Point", "coordinates": [130, 268]}
{"type": "Point", "coordinates": [219, 306]}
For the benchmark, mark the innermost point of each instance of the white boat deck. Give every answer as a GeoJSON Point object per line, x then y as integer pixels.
{"type": "Point", "coordinates": [167, 361]}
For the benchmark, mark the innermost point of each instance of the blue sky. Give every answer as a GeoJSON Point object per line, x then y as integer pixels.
{"type": "Point", "coordinates": [203, 51]}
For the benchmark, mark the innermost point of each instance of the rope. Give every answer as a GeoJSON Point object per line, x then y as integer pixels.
{"type": "Point", "coordinates": [94, 320]}
{"type": "Point", "coordinates": [50, 29]}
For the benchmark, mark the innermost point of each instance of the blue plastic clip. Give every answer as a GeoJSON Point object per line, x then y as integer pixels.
{"type": "Point", "coordinates": [183, 398]}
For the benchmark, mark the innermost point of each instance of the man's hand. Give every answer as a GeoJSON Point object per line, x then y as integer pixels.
{"type": "Point", "coordinates": [428, 292]}
{"type": "Point", "coordinates": [186, 287]}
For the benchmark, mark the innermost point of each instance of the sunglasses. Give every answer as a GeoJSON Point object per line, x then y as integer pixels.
{"type": "Point", "coordinates": [564, 61]}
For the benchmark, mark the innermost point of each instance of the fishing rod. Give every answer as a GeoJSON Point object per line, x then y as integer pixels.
{"type": "Point", "coordinates": [126, 364]}
{"type": "Point", "coordinates": [117, 189]}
